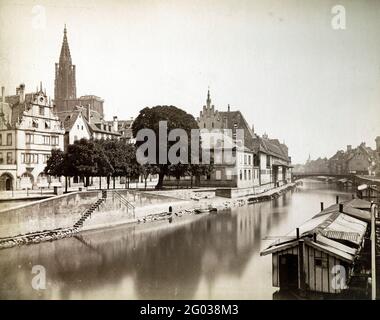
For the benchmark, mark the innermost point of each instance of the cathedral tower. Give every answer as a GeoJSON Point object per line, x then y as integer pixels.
{"type": "Point", "coordinates": [65, 86]}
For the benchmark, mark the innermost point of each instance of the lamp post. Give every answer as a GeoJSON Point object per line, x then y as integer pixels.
{"type": "Point", "coordinates": [374, 211]}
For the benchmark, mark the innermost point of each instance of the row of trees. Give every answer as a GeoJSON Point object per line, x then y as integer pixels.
{"type": "Point", "coordinates": [116, 158]}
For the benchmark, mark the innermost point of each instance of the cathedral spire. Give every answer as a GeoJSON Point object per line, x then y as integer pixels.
{"type": "Point", "coordinates": [65, 83]}
{"type": "Point", "coordinates": [65, 50]}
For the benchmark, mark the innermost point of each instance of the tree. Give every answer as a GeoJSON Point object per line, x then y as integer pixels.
{"type": "Point", "coordinates": [81, 156]}
{"type": "Point", "coordinates": [149, 118]}
{"type": "Point", "coordinates": [102, 163]}
{"type": "Point", "coordinates": [146, 170]}
{"type": "Point", "coordinates": [57, 165]}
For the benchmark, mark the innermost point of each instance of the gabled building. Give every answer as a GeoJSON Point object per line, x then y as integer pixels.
{"type": "Point", "coordinates": [273, 161]}
{"type": "Point", "coordinates": [271, 164]}
{"type": "Point", "coordinates": [29, 130]}
{"type": "Point", "coordinates": [360, 160]}
{"type": "Point", "coordinates": [85, 123]}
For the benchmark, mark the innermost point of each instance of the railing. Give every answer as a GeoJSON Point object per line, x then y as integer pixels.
{"type": "Point", "coordinates": [125, 202]}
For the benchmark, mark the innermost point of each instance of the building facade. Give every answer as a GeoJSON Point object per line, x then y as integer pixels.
{"type": "Point", "coordinates": [270, 165]}
{"type": "Point", "coordinates": [29, 131]}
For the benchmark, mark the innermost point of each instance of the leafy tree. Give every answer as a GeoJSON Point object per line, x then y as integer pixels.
{"type": "Point", "coordinates": [176, 118]}
{"type": "Point", "coordinates": [57, 165]}
{"type": "Point", "coordinates": [102, 164]}
{"type": "Point", "coordinates": [146, 170]}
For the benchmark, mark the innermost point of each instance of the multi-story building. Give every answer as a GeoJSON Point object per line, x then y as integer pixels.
{"type": "Point", "coordinates": [273, 161]}
{"type": "Point", "coordinates": [270, 164]}
{"type": "Point", "coordinates": [29, 130]}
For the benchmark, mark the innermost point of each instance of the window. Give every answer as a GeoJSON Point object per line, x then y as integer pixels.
{"type": "Point", "coordinates": [82, 127]}
{"type": "Point", "coordinates": [35, 123]}
{"type": "Point", "coordinates": [320, 262]}
{"type": "Point", "coordinates": [249, 159]}
{"type": "Point", "coordinates": [241, 175]}
{"type": "Point", "coordinates": [54, 140]}
{"type": "Point", "coordinates": [1, 158]}
{"type": "Point", "coordinates": [249, 175]}
{"type": "Point", "coordinates": [245, 174]}
{"type": "Point", "coordinates": [45, 158]}
{"type": "Point", "coordinates": [78, 126]}
{"type": "Point", "coordinates": [9, 139]}
{"type": "Point", "coordinates": [228, 174]}
{"type": "Point", "coordinates": [9, 158]}
{"type": "Point", "coordinates": [268, 161]}
{"type": "Point", "coordinates": [47, 140]}
{"type": "Point", "coordinates": [47, 124]}
{"type": "Point", "coordinates": [1, 139]}
{"type": "Point", "coordinates": [218, 175]}
{"type": "Point", "coordinates": [29, 138]}
{"type": "Point", "coordinates": [29, 158]}
{"type": "Point", "coordinates": [42, 111]}
{"type": "Point", "coordinates": [212, 124]}
{"type": "Point", "coordinates": [245, 159]}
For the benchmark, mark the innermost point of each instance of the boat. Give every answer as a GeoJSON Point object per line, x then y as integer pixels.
{"type": "Point", "coordinates": [205, 210]}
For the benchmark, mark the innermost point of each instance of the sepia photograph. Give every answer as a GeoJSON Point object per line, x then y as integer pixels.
{"type": "Point", "coordinates": [182, 150]}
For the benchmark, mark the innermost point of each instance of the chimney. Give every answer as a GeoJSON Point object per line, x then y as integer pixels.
{"type": "Point", "coordinates": [341, 207]}
{"type": "Point", "coordinates": [322, 206]}
{"type": "Point", "coordinates": [349, 148]}
{"type": "Point", "coordinates": [228, 109]}
{"type": "Point", "coordinates": [337, 199]}
{"type": "Point", "coordinates": [298, 233]}
{"type": "Point", "coordinates": [22, 92]}
{"type": "Point", "coordinates": [115, 124]}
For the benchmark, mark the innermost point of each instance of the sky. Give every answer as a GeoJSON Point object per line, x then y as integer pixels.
{"type": "Point", "coordinates": [280, 62]}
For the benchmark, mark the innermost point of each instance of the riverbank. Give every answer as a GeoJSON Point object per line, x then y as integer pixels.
{"type": "Point", "coordinates": [202, 202]}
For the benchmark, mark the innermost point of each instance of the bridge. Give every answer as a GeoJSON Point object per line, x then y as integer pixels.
{"type": "Point", "coordinates": [297, 176]}
{"type": "Point", "coordinates": [355, 178]}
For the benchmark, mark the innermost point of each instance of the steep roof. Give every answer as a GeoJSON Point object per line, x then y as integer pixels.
{"type": "Point", "coordinates": [18, 107]}
{"type": "Point", "coordinates": [272, 147]}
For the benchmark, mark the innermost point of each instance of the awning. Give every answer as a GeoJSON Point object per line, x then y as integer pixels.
{"type": "Point", "coordinates": [279, 163]}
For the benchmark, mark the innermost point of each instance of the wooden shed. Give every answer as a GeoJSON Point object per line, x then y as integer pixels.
{"type": "Point", "coordinates": [319, 256]}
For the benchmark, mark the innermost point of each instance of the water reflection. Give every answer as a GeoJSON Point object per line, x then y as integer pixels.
{"type": "Point", "coordinates": [211, 257]}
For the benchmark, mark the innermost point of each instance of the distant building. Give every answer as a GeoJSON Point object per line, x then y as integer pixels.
{"type": "Point", "coordinates": [29, 130]}
{"type": "Point", "coordinates": [65, 92]}
{"type": "Point", "coordinates": [273, 161]}
{"type": "Point", "coordinates": [319, 166]}
{"type": "Point", "coordinates": [124, 128]}
{"type": "Point", "coordinates": [84, 123]}
{"type": "Point", "coordinates": [360, 160]}
{"type": "Point", "coordinates": [270, 164]}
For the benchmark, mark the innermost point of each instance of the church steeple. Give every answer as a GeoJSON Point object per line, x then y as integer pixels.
{"type": "Point", "coordinates": [65, 84]}
{"type": "Point", "coordinates": [65, 50]}
{"type": "Point", "coordinates": [208, 101]}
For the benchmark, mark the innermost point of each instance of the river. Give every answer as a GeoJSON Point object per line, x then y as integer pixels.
{"type": "Point", "coordinates": [215, 256]}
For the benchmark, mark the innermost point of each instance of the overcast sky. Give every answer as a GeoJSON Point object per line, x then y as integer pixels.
{"type": "Point", "coordinates": [280, 62]}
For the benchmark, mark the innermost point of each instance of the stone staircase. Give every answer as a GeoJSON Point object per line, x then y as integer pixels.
{"type": "Point", "coordinates": [89, 211]}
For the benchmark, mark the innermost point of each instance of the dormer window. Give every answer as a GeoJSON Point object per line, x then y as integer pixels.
{"type": "Point", "coordinates": [47, 124]}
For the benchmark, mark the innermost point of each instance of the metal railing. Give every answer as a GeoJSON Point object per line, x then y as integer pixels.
{"type": "Point", "coordinates": [125, 202]}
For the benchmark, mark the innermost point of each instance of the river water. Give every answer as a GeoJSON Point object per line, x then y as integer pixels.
{"type": "Point", "coordinates": [215, 256]}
